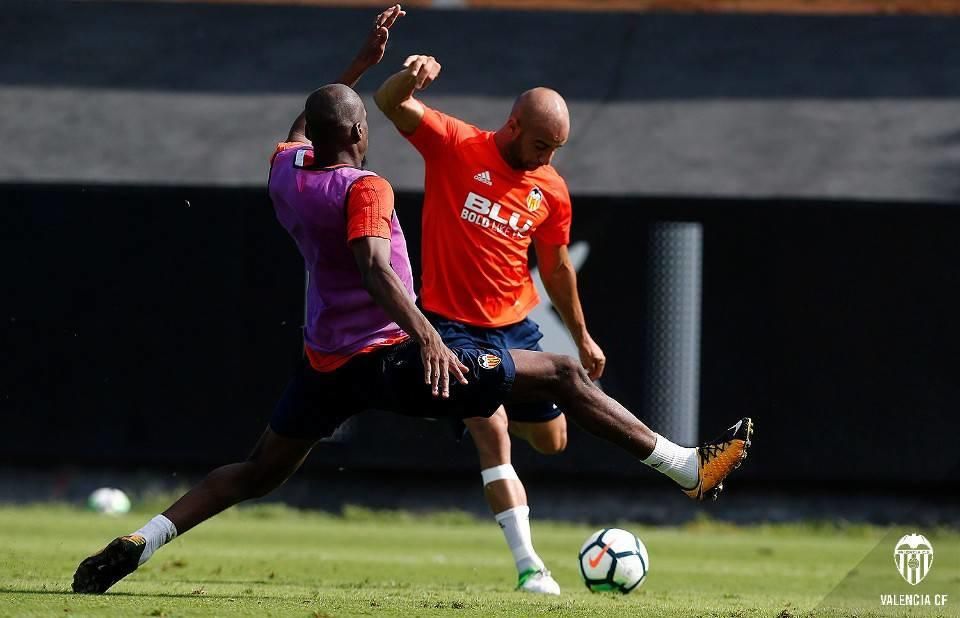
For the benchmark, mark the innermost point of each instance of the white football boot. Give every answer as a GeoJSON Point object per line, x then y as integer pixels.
{"type": "Point", "coordinates": [538, 581]}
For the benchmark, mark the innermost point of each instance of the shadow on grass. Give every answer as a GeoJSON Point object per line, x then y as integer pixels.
{"type": "Point", "coordinates": [156, 595]}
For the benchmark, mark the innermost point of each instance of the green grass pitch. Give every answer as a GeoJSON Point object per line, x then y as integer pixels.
{"type": "Point", "coordinates": [272, 560]}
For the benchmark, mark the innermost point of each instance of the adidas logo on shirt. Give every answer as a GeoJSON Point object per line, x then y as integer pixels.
{"type": "Point", "coordinates": [484, 177]}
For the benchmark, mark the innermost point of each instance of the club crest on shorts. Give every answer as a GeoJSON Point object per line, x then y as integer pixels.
{"type": "Point", "coordinates": [489, 361]}
{"type": "Point", "coordinates": [913, 557]}
{"type": "Point", "coordinates": [534, 198]}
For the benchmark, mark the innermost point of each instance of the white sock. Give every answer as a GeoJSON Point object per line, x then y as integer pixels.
{"type": "Point", "coordinates": [515, 523]}
{"type": "Point", "coordinates": [677, 462]}
{"type": "Point", "coordinates": [157, 532]}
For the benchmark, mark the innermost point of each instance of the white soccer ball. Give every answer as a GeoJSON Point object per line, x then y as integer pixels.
{"type": "Point", "coordinates": [613, 560]}
{"type": "Point", "coordinates": [109, 501]}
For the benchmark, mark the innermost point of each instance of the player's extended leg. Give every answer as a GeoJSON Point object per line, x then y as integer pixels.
{"type": "Point", "coordinates": [508, 500]}
{"type": "Point", "coordinates": [272, 461]}
{"type": "Point", "coordinates": [699, 471]}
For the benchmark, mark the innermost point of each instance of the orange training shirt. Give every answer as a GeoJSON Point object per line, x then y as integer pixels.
{"type": "Point", "coordinates": [479, 216]}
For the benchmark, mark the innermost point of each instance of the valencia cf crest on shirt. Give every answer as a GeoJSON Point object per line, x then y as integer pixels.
{"type": "Point", "coordinates": [533, 199]}
{"type": "Point", "coordinates": [489, 361]}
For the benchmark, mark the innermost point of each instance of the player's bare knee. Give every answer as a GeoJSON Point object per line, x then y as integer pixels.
{"type": "Point", "coordinates": [491, 438]}
{"type": "Point", "coordinates": [564, 367]}
{"type": "Point", "coordinates": [493, 427]}
{"type": "Point", "coordinates": [570, 377]}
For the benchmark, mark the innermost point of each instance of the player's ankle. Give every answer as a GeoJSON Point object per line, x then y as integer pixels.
{"type": "Point", "coordinates": [529, 564]}
{"type": "Point", "coordinates": [157, 532]}
{"type": "Point", "coordinates": [675, 461]}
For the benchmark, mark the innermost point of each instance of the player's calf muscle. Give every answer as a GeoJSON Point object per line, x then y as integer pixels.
{"type": "Point", "coordinates": [547, 438]}
{"type": "Point", "coordinates": [563, 380]}
{"type": "Point", "coordinates": [550, 441]}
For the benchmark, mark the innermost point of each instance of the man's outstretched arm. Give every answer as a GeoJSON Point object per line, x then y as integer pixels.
{"type": "Point", "coordinates": [370, 54]}
{"type": "Point", "coordinates": [560, 280]}
{"type": "Point", "coordinates": [372, 254]}
{"type": "Point", "coordinates": [395, 96]}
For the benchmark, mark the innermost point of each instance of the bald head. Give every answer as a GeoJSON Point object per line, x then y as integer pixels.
{"type": "Point", "coordinates": [543, 108]}
{"type": "Point", "coordinates": [539, 124]}
{"type": "Point", "coordinates": [332, 113]}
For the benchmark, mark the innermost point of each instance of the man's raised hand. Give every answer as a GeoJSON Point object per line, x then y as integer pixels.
{"type": "Point", "coordinates": [376, 43]}
{"type": "Point", "coordinates": [423, 69]}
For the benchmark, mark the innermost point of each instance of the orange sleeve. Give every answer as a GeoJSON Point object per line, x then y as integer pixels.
{"type": "Point", "coordinates": [436, 133]}
{"type": "Point", "coordinates": [369, 208]}
{"type": "Point", "coordinates": [285, 146]}
{"type": "Point", "coordinates": [555, 230]}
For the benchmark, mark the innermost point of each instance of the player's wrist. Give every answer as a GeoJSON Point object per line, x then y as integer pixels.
{"type": "Point", "coordinates": [424, 333]}
{"type": "Point", "coordinates": [397, 89]}
{"type": "Point", "coordinates": [407, 83]}
{"type": "Point", "coordinates": [580, 336]}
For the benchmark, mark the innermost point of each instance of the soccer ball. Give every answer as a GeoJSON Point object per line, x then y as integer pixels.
{"type": "Point", "coordinates": [613, 560]}
{"type": "Point", "coordinates": [109, 501]}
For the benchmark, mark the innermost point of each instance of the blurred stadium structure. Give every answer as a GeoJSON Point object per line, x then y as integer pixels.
{"type": "Point", "coordinates": [147, 286]}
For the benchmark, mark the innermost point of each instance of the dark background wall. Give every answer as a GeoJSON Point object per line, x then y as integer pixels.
{"type": "Point", "coordinates": [143, 326]}
{"type": "Point", "coordinates": [149, 314]}
{"type": "Point", "coordinates": [182, 93]}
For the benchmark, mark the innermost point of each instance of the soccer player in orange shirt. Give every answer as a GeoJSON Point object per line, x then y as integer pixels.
{"type": "Point", "coordinates": [487, 196]}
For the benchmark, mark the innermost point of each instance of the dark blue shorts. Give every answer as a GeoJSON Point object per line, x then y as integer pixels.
{"type": "Point", "coordinates": [315, 404]}
{"type": "Point", "coordinates": [523, 335]}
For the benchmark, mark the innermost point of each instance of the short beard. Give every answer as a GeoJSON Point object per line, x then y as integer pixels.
{"type": "Point", "coordinates": [513, 151]}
